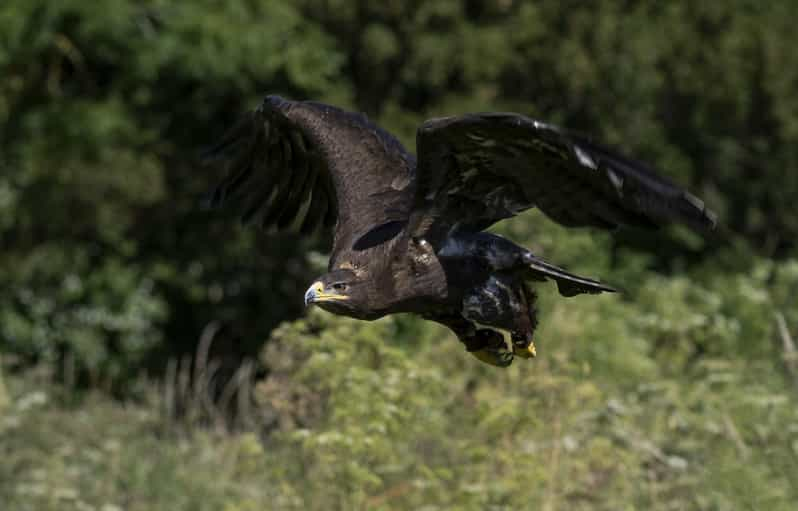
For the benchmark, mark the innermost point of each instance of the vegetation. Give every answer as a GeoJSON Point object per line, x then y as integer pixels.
{"type": "Point", "coordinates": [156, 356]}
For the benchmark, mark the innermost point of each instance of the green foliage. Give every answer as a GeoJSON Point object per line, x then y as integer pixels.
{"type": "Point", "coordinates": [104, 106]}
{"type": "Point", "coordinates": [107, 317]}
{"type": "Point", "coordinates": [679, 393]}
{"type": "Point", "coordinates": [649, 403]}
{"type": "Point", "coordinates": [108, 457]}
{"type": "Point", "coordinates": [617, 412]}
{"type": "Point", "coordinates": [366, 406]}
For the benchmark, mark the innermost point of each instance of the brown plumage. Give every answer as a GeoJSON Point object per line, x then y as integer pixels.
{"type": "Point", "coordinates": [408, 234]}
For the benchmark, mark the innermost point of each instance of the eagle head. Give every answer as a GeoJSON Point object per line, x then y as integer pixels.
{"type": "Point", "coordinates": [341, 292]}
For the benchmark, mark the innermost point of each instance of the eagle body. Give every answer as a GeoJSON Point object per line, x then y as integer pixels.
{"type": "Point", "coordinates": [408, 230]}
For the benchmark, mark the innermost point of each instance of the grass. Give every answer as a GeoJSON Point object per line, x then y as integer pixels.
{"type": "Point", "coordinates": [346, 420]}
{"type": "Point", "coordinates": [104, 455]}
{"type": "Point", "coordinates": [679, 395]}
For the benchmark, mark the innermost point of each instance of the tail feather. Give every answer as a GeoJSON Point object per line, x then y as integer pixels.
{"type": "Point", "coordinates": [567, 283]}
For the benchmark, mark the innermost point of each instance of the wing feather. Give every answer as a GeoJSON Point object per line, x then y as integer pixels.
{"type": "Point", "coordinates": [300, 188]}
{"type": "Point", "coordinates": [316, 212]}
{"type": "Point", "coordinates": [480, 168]}
{"type": "Point", "coordinates": [308, 164]}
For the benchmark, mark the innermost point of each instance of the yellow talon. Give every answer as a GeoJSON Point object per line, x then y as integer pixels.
{"type": "Point", "coordinates": [528, 352]}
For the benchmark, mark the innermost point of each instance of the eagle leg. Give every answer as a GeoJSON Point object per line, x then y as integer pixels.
{"type": "Point", "coordinates": [498, 358]}
{"type": "Point", "coordinates": [487, 345]}
{"type": "Point", "coordinates": [490, 347]}
{"type": "Point", "coordinates": [504, 304]}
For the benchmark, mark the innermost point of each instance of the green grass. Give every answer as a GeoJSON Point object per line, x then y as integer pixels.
{"type": "Point", "coordinates": [679, 394]}
{"type": "Point", "coordinates": [393, 415]}
{"type": "Point", "coordinates": [104, 455]}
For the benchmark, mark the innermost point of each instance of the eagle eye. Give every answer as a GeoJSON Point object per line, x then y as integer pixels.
{"type": "Point", "coordinates": [339, 286]}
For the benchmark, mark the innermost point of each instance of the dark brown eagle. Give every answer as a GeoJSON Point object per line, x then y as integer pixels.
{"type": "Point", "coordinates": [408, 230]}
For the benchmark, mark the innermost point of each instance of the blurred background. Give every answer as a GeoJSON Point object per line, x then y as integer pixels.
{"type": "Point", "coordinates": [154, 355]}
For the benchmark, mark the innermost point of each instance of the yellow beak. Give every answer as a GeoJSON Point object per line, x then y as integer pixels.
{"type": "Point", "coordinates": [316, 293]}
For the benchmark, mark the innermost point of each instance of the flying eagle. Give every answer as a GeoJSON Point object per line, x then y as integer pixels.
{"type": "Point", "coordinates": [408, 230]}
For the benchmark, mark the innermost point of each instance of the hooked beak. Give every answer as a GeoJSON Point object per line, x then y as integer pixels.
{"type": "Point", "coordinates": [313, 293]}
{"type": "Point", "coordinates": [316, 294]}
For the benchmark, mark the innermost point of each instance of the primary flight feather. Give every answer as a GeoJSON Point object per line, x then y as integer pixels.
{"type": "Point", "coordinates": [408, 233]}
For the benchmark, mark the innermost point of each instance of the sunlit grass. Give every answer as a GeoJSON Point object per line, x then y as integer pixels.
{"type": "Point", "coordinates": [356, 416]}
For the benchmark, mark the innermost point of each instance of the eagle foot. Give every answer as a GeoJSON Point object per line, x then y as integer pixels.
{"type": "Point", "coordinates": [527, 351]}
{"type": "Point", "coordinates": [494, 357]}
{"type": "Point", "coordinates": [492, 348]}
{"type": "Point", "coordinates": [524, 348]}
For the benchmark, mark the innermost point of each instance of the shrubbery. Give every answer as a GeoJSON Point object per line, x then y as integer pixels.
{"type": "Point", "coordinates": [104, 109]}
{"type": "Point", "coordinates": [618, 410]}
{"type": "Point", "coordinates": [678, 393]}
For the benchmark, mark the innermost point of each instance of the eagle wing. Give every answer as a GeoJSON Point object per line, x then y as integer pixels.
{"type": "Point", "coordinates": [480, 168]}
{"type": "Point", "coordinates": [307, 164]}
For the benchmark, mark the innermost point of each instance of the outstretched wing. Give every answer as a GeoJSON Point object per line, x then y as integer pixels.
{"type": "Point", "coordinates": [308, 164]}
{"type": "Point", "coordinates": [477, 169]}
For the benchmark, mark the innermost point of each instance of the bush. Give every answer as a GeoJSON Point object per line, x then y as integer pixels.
{"type": "Point", "coordinates": [395, 414]}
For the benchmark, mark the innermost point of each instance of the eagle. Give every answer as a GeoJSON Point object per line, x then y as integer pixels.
{"type": "Point", "coordinates": [409, 231]}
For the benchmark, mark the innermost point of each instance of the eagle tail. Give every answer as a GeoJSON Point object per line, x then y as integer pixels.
{"type": "Point", "coordinates": [568, 284]}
